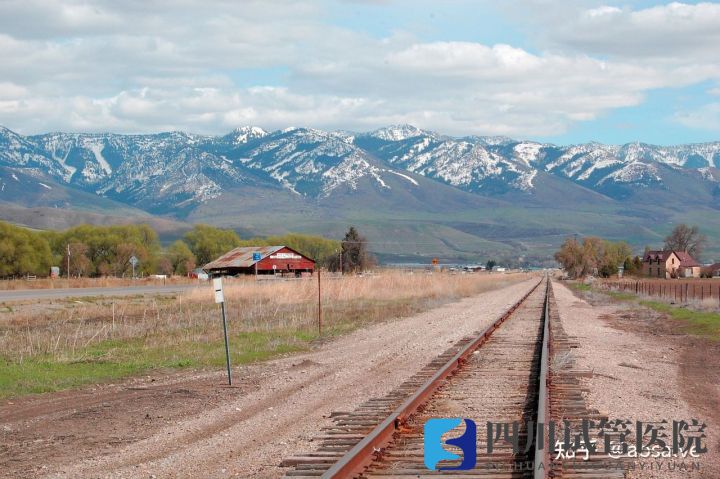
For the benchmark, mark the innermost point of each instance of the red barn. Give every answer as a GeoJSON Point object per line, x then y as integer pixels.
{"type": "Point", "coordinates": [267, 260]}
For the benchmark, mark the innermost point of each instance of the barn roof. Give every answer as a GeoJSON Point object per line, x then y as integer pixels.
{"type": "Point", "coordinates": [242, 257]}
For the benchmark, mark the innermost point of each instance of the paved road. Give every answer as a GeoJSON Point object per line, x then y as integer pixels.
{"type": "Point", "coordinates": [26, 294]}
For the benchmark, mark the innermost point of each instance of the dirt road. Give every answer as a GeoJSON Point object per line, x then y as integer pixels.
{"type": "Point", "coordinates": [189, 425]}
{"type": "Point", "coordinates": [58, 293]}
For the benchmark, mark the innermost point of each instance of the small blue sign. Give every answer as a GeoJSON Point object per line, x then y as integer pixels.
{"type": "Point", "coordinates": [257, 256]}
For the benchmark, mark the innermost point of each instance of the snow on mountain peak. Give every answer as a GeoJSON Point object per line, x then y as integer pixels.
{"type": "Point", "coordinates": [177, 168]}
{"type": "Point", "coordinates": [397, 132]}
{"type": "Point", "coordinates": [527, 151]}
{"type": "Point", "coordinates": [246, 133]}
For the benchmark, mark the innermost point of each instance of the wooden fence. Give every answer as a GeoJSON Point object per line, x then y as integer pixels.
{"type": "Point", "coordinates": [677, 290]}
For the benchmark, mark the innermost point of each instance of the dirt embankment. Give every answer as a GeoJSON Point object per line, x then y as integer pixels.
{"type": "Point", "coordinates": [189, 425]}
{"type": "Point", "coordinates": [646, 369]}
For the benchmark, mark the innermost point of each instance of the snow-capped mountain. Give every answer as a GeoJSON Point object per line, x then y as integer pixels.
{"type": "Point", "coordinates": [176, 171]}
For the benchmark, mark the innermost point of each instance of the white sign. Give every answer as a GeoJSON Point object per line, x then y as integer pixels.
{"type": "Point", "coordinates": [217, 286]}
{"type": "Point", "coordinates": [134, 261]}
{"type": "Point", "coordinates": [286, 256]}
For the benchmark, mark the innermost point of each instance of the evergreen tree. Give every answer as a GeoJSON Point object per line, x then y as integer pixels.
{"type": "Point", "coordinates": [355, 256]}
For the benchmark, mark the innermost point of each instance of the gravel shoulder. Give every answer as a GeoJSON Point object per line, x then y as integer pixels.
{"type": "Point", "coordinates": [188, 425]}
{"type": "Point", "coordinates": [645, 369]}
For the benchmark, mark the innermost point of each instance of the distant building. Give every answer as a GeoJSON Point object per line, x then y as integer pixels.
{"type": "Point", "coordinates": [266, 260]}
{"type": "Point", "coordinates": [473, 267]}
{"type": "Point", "coordinates": [712, 270]}
{"type": "Point", "coordinates": [199, 273]}
{"type": "Point", "coordinates": [670, 264]}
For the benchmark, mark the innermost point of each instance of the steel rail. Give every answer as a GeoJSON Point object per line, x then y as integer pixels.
{"type": "Point", "coordinates": [542, 456]}
{"type": "Point", "coordinates": [356, 459]}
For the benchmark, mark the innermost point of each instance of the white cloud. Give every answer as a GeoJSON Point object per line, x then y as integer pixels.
{"type": "Point", "coordinates": [706, 118]}
{"type": "Point", "coordinates": [145, 66]}
{"type": "Point", "coordinates": [681, 32]}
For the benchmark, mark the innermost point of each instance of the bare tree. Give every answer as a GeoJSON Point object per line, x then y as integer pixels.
{"type": "Point", "coordinates": [686, 238]}
{"type": "Point", "coordinates": [80, 264]}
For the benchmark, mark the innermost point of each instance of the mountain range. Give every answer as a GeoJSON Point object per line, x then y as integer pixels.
{"type": "Point", "coordinates": [415, 193]}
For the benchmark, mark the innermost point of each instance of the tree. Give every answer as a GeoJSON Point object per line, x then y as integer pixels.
{"type": "Point", "coordinates": [123, 252]}
{"type": "Point", "coordinates": [686, 238]}
{"type": "Point", "coordinates": [592, 256]}
{"type": "Point", "coordinates": [103, 244]}
{"type": "Point", "coordinates": [80, 264]}
{"type": "Point", "coordinates": [181, 258]}
{"type": "Point", "coordinates": [164, 266]}
{"type": "Point", "coordinates": [355, 256]}
{"type": "Point", "coordinates": [23, 252]}
{"type": "Point", "coordinates": [633, 266]}
{"type": "Point", "coordinates": [570, 257]}
{"type": "Point", "coordinates": [208, 243]}
{"type": "Point", "coordinates": [490, 264]}
{"type": "Point", "coordinates": [613, 255]}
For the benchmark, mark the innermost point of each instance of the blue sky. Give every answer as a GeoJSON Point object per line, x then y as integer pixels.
{"type": "Point", "coordinates": [555, 71]}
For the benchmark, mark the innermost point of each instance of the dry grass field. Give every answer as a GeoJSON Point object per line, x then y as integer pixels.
{"type": "Point", "coordinates": [60, 344]}
{"type": "Point", "coordinates": [106, 282]}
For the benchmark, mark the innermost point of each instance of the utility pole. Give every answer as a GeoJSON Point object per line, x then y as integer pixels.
{"type": "Point", "coordinates": [68, 261]}
{"type": "Point", "coordinates": [341, 259]}
{"type": "Point", "coordinates": [319, 305]}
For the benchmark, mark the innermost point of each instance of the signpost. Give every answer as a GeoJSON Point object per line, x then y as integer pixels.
{"type": "Point", "coordinates": [220, 298]}
{"type": "Point", "coordinates": [134, 262]}
{"type": "Point", "coordinates": [256, 257]}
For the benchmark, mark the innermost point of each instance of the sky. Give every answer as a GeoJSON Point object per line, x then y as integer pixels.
{"type": "Point", "coordinates": [556, 71]}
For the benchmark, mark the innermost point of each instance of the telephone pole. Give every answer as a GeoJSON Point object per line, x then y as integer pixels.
{"type": "Point", "coordinates": [341, 260]}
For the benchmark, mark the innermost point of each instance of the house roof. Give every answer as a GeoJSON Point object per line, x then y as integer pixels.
{"type": "Point", "coordinates": [686, 260]}
{"type": "Point", "coordinates": [657, 255]}
{"type": "Point", "coordinates": [241, 257]}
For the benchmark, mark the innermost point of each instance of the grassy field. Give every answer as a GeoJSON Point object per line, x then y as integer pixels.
{"type": "Point", "coordinates": [696, 320]}
{"type": "Point", "coordinates": [61, 344]}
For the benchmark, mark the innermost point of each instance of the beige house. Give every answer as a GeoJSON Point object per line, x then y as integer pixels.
{"type": "Point", "coordinates": [670, 264]}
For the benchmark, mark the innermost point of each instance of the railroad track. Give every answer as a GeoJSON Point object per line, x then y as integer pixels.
{"type": "Point", "coordinates": [502, 374]}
